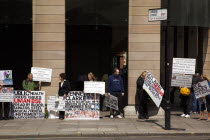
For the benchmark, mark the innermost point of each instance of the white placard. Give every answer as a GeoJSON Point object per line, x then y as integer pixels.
{"type": "Point", "coordinates": [181, 80]}
{"type": "Point", "coordinates": [157, 14]}
{"type": "Point", "coordinates": [201, 89]}
{"type": "Point", "coordinates": [153, 88]}
{"type": "Point", "coordinates": [94, 87]}
{"type": "Point", "coordinates": [41, 74]}
{"type": "Point", "coordinates": [51, 103]}
{"type": "Point", "coordinates": [6, 94]}
{"type": "Point", "coordinates": [184, 66]}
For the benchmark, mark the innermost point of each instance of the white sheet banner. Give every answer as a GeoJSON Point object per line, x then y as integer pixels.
{"type": "Point", "coordinates": [153, 88]}
{"type": "Point", "coordinates": [184, 66]}
{"type": "Point", "coordinates": [94, 87]}
{"type": "Point", "coordinates": [41, 74]}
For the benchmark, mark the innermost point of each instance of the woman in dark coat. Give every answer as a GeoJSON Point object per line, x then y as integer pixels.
{"type": "Point", "coordinates": [143, 96]}
{"type": "Point", "coordinates": [64, 88]}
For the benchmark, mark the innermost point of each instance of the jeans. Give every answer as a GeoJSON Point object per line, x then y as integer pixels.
{"type": "Point", "coordinates": [196, 104]}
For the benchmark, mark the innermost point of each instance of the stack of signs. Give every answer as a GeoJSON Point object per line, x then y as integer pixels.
{"type": "Point", "coordinates": [6, 94]}
{"type": "Point", "coordinates": [201, 89]}
{"type": "Point", "coordinates": [41, 74]}
{"type": "Point", "coordinates": [94, 87]}
{"type": "Point", "coordinates": [183, 69]}
{"type": "Point", "coordinates": [111, 102]}
{"type": "Point", "coordinates": [153, 88]}
{"type": "Point", "coordinates": [82, 106]}
{"type": "Point", "coordinates": [6, 77]}
{"type": "Point", "coordinates": [29, 105]}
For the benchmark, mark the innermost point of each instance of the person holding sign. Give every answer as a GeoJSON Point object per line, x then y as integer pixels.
{"type": "Point", "coordinates": [64, 88]}
{"type": "Point", "coordinates": [205, 101]}
{"type": "Point", "coordinates": [143, 96]}
{"type": "Point", "coordinates": [115, 88]}
{"type": "Point", "coordinates": [29, 85]}
{"type": "Point", "coordinates": [4, 107]}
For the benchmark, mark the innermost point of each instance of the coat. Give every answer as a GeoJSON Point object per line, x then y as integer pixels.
{"type": "Point", "coordinates": [64, 89]}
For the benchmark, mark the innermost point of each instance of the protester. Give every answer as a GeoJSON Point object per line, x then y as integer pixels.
{"type": "Point", "coordinates": [4, 107]}
{"type": "Point", "coordinates": [205, 101]}
{"type": "Point", "coordinates": [29, 85]}
{"type": "Point", "coordinates": [196, 104]}
{"type": "Point", "coordinates": [64, 88]}
{"type": "Point", "coordinates": [115, 88]}
{"type": "Point", "coordinates": [91, 77]}
{"type": "Point", "coordinates": [143, 96]}
{"type": "Point", "coordinates": [186, 98]}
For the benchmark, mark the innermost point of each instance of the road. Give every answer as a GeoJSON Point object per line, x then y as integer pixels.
{"type": "Point", "coordinates": [115, 138]}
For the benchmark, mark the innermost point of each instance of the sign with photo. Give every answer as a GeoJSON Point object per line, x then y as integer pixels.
{"type": "Point", "coordinates": [82, 106]}
{"type": "Point", "coordinates": [94, 87]}
{"type": "Point", "coordinates": [181, 80]}
{"type": "Point", "coordinates": [153, 88]}
{"type": "Point", "coordinates": [184, 66]}
{"type": "Point", "coordinates": [111, 102]}
{"type": "Point", "coordinates": [6, 94]}
{"type": "Point", "coordinates": [41, 74]}
{"type": "Point", "coordinates": [6, 77]}
{"type": "Point", "coordinates": [29, 105]}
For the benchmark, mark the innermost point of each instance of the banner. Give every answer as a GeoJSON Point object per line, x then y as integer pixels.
{"type": "Point", "coordinates": [153, 88]}
{"type": "Point", "coordinates": [82, 106]}
{"type": "Point", "coordinates": [6, 77]}
{"type": "Point", "coordinates": [29, 105]}
{"type": "Point", "coordinates": [184, 66]}
{"type": "Point", "coordinates": [41, 74]}
{"type": "Point", "coordinates": [181, 80]}
{"type": "Point", "coordinates": [94, 87]}
{"type": "Point", "coordinates": [6, 94]}
{"type": "Point", "coordinates": [111, 101]}
{"type": "Point", "coordinates": [201, 89]}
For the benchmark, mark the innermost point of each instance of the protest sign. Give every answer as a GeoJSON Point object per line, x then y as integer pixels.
{"type": "Point", "coordinates": [201, 89]}
{"type": "Point", "coordinates": [60, 104]}
{"type": "Point", "coordinates": [94, 87]}
{"type": "Point", "coordinates": [6, 94]}
{"type": "Point", "coordinates": [51, 103]}
{"type": "Point", "coordinates": [29, 105]}
{"type": "Point", "coordinates": [181, 80]}
{"type": "Point", "coordinates": [6, 77]}
{"type": "Point", "coordinates": [153, 88]}
{"type": "Point", "coordinates": [41, 74]}
{"type": "Point", "coordinates": [184, 66]}
{"type": "Point", "coordinates": [111, 101]}
{"type": "Point", "coordinates": [82, 106]}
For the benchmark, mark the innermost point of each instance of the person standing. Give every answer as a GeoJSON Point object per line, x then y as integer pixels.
{"type": "Point", "coordinates": [29, 85]}
{"type": "Point", "coordinates": [64, 88]}
{"type": "Point", "coordinates": [91, 77]}
{"type": "Point", "coordinates": [143, 96]}
{"type": "Point", "coordinates": [115, 88]}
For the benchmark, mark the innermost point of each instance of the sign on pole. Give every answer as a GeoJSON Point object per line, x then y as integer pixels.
{"type": "Point", "coordinates": [184, 66]}
{"type": "Point", "coordinates": [153, 88]}
{"type": "Point", "coordinates": [201, 89]}
{"type": "Point", "coordinates": [41, 74]}
{"type": "Point", "coordinates": [94, 87]}
{"type": "Point", "coordinates": [157, 14]}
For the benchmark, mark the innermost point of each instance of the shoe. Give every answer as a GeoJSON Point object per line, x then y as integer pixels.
{"type": "Point", "coordinates": [111, 116]}
{"type": "Point", "coordinates": [146, 117]}
{"type": "Point", "coordinates": [187, 116]}
{"type": "Point", "coordinates": [118, 116]}
{"type": "Point", "coordinates": [183, 115]}
{"type": "Point", "coordinates": [208, 120]}
{"type": "Point", "coordinates": [141, 117]}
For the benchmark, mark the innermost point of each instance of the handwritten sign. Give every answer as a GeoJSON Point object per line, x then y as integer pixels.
{"type": "Point", "coordinates": [41, 74]}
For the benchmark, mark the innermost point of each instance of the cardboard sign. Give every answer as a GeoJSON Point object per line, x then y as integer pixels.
{"type": "Point", "coordinates": [82, 106]}
{"type": "Point", "coordinates": [6, 77]}
{"type": "Point", "coordinates": [153, 88]}
{"type": "Point", "coordinates": [183, 66]}
{"type": "Point", "coordinates": [201, 89]}
{"type": "Point", "coordinates": [111, 101]}
{"type": "Point", "coordinates": [6, 94]}
{"type": "Point", "coordinates": [41, 74]}
{"type": "Point", "coordinates": [29, 105]}
{"type": "Point", "coordinates": [94, 87]}
{"type": "Point", "coordinates": [181, 80]}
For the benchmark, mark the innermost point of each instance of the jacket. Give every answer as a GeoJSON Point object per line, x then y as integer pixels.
{"type": "Point", "coordinates": [115, 84]}
{"type": "Point", "coordinates": [29, 85]}
{"type": "Point", "coordinates": [64, 89]}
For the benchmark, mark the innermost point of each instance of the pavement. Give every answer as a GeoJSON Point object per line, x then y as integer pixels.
{"type": "Point", "coordinates": [105, 127]}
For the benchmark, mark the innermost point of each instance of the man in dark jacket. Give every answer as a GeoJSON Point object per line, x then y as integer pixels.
{"type": "Point", "coordinates": [143, 96]}
{"type": "Point", "coordinates": [115, 88]}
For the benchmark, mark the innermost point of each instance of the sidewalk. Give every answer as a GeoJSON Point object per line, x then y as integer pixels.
{"type": "Point", "coordinates": [104, 127]}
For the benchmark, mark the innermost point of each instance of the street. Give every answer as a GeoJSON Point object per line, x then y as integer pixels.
{"type": "Point", "coordinates": [115, 138]}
